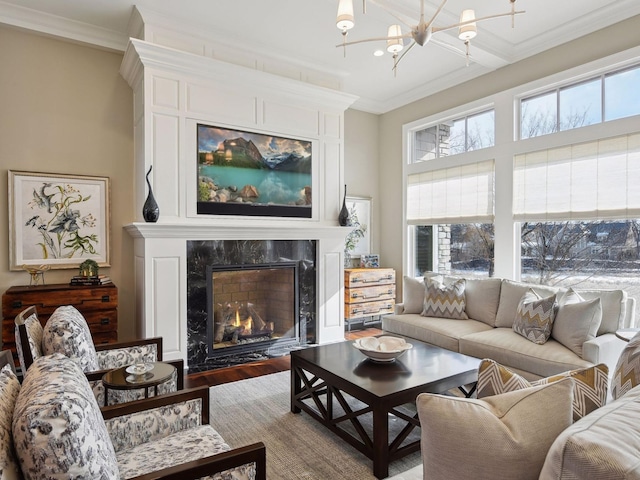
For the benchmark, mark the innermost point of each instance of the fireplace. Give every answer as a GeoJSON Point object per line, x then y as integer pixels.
{"type": "Point", "coordinates": [273, 282]}
{"type": "Point", "coordinates": [252, 306]}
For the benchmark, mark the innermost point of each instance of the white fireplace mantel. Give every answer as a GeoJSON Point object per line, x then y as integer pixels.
{"type": "Point", "coordinates": [266, 231]}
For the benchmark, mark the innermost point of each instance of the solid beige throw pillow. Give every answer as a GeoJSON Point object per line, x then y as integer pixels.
{"type": "Point", "coordinates": [577, 321]}
{"type": "Point", "coordinates": [505, 436]}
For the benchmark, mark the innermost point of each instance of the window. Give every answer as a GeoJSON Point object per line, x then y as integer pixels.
{"type": "Point", "coordinates": [451, 209]}
{"type": "Point", "coordinates": [622, 98]}
{"type": "Point", "coordinates": [582, 254]}
{"type": "Point", "coordinates": [592, 180]}
{"type": "Point", "coordinates": [461, 135]}
{"type": "Point", "coordinates": [603, 98]}
{"type": "Point", "coordinates": [460, 248]}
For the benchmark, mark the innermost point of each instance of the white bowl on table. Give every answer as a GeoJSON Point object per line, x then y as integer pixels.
{"type": "Point", "coordinates": [382, 349]}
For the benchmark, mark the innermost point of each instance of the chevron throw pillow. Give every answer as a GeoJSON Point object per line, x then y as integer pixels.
{"type": "Point", "coordinates": [534, 318]}
{"type": "Point", "coordinates": [627, 372]}
{"type": "Point", "coordinates": [445, 301]}
{"type": "Point", "coordinates": [590, 391]}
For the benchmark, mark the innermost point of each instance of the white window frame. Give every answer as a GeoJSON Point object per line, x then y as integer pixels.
{"type": "Point", "coordinates": [507, 144]}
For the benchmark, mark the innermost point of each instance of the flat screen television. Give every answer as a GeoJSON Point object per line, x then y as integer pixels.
{"type": "Point", "coordinates": [246, 173]}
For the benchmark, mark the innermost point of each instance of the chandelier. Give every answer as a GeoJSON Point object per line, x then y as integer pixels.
{"type": "Point", "coordinates": [420, 33]}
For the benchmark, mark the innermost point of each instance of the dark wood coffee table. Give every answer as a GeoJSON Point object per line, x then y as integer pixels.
{"type": "Point", "coordinates": [322, 375]}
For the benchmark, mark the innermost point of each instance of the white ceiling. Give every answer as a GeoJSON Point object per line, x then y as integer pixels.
{"type": "Point", "coordinates": [304, 32]}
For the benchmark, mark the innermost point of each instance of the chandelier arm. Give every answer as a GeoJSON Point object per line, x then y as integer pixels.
{"type": "Point", "coordinates": [396, 61]}
{"type": "Point", "coordinates": [374, 39]}
{"type": "Point", "coordinates": [488, 17]}
{"type": "Point", "coordinates": [435, 15]}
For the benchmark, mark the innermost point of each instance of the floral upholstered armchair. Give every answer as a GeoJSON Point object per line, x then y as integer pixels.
{"type": "Point", "coordinates": [66, 332]}
{"type": "Point", "coordinates": [59, 431]}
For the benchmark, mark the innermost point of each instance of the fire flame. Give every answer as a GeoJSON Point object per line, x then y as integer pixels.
{"type": "Point", "coordinates": [247, 324]}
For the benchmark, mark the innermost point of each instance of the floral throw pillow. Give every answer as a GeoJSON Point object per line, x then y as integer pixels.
{"type": "Point", "coordinates": [445, 301]}
{"type": "Point", "coordinates": [534, 317]}
{"type": "Point", "coordinates": [590, 388]}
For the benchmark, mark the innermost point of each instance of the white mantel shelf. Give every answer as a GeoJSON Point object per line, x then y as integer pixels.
{"type": "Point", "coordinates": [237, 231]}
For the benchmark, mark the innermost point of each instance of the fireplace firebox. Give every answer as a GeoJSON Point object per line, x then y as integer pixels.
{"type": "Point", "coordinates": [252, 307]}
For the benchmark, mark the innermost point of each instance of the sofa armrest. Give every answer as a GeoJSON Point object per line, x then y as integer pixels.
{"type": "Point", "coordinates": [630, 320]}
{"type": "Point", "coordinates": [605, 349]}
{"type": "Point", "coordinates": [254, 453]}
{"type": "Point", "coordinates": [398, 308]}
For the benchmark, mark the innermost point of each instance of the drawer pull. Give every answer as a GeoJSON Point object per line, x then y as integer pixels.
{"type": "Point", "coordinates": [370, 312]}
{"type": "Point", "coordinates": [16, 304]}
{"type": "Point", "coordinates": [104, 321]}
{"type": "Point", "coordinates": [372, 280]}
{"type": "Point", "coordinates": [365, 296]}
{"type": "Point", "coordinates": [105, 298]}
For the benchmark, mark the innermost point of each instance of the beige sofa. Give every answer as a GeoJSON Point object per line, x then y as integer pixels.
{"type": "Point", "coordinates": [491, 305]}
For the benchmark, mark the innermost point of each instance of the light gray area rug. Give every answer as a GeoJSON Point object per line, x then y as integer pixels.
{"type": "Point", "coordinates": [298, 447]}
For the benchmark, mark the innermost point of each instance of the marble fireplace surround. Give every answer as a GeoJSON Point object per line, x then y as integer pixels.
{"type": "Point", "coordinates": [176, 85]}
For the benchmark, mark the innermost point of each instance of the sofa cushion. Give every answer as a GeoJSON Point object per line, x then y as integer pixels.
{"type": "Point", "coordinates": [510, 294]}
{"type": "Point", "coordinates": [34, 334]}
{"type": "Point", "coordinates": [67, 332]}
{"type": "Point", "coordinates": [9, 389]}
{"type": "Point", "coordinates": [591, 384]}
{"type": "Point", "coordinates": [614, 308]}
{"type": "Point", "coordinates": [627, 373]}
{"type": "Point", "coordinates": [602, 445]}
{"type": "Point", "coordinates": [183, 446]}
{"type": "Point", "coordinates": [534, 317]}
{"type": "Point", "coordinates": [577, 320]}
{"type": "Point", "coordinates": [505, 436]}
{"type": "Point", "coordinates": [446, 301]}
{"type": "Point", "coordinates": [442, 332]}
{"type": "Point", "coordinates": [57, 426]}
{"type": "Point", "coordinates": [508, 348]}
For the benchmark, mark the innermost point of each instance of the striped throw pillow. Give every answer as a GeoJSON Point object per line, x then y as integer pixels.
{"type": "Point", "coordinates": [445, 301]}
{"type": "Point", "coordinates": [589, 393]}
{"type": "Point", "coordinates": [535, 315]}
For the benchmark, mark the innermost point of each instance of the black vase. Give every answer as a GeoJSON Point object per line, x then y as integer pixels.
{"type": "Point", "coordinates": [344, 219]}
{"type": "Point", "coordinates": [150, 209]}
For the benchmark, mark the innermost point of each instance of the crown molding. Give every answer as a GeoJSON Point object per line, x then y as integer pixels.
{"type": "Point", "coordinates": [55, 26]}
{"type": "Point", "coordinates": [140, 53]}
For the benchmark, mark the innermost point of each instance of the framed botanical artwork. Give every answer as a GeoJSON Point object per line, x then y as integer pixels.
{"type": "Point", "coordinates": [57, 221]}
{"type": "Point", "coordinates": [358, 241]}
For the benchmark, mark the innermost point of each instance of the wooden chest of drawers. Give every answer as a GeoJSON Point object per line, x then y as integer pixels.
{"type": "Point", "coordinates": [97, 303]}
{"type": "Point", "coordinates": [368, 292]}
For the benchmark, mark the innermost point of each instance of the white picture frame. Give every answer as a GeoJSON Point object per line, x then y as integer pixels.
{"type": "Point", "coordinates": [57, 221]}
{"type": "Point", "coordinates": [360, 236]}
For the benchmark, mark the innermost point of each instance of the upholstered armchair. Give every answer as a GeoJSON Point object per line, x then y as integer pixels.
{"type": "Point", "coordinates": [66, 331]}
{"type": "Point", "coordinates": [59, 431]}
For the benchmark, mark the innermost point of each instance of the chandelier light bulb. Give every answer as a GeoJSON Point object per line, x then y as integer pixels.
{"type": "Point", "coordinates": [468, 31]}
{"type": "Point", "coordinates": [394, 45]}
{"type": "Point", "coordinates": [345, 19]}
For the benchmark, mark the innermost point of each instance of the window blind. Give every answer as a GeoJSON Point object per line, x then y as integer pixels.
{"type": "Point", "coordinates": [461, 194]}
{"type": "Point", "coordinates": [598, 179]}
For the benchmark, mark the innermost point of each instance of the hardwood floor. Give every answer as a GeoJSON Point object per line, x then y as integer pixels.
{"type": "Point", "coordinates": [256, 369]}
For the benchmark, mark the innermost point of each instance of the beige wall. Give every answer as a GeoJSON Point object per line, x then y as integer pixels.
{"type": "Point", "coordinates": [361, 164]}
{"type": "Point", "coordinates": [66, 109]}
{"type": "Point", "coordinates": [616, 38]}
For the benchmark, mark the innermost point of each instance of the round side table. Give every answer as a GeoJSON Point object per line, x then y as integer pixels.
{"type": "Point", "coordinates": [120, 379]}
